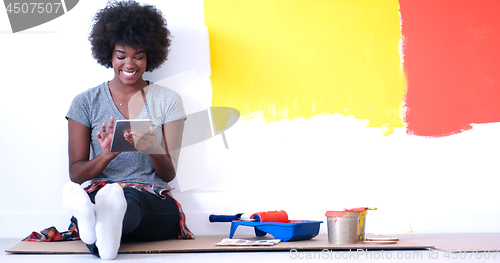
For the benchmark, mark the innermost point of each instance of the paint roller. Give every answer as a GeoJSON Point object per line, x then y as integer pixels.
{"type": "Point", "coordinates": [270, 216]}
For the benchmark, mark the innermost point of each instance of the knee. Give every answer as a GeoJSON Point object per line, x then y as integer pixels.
{"type": "Point", "coordinates": [134, 213]}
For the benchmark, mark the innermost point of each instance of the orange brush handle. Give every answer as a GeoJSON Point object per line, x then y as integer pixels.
{"type": "Point", "coordinates": [271, 216]}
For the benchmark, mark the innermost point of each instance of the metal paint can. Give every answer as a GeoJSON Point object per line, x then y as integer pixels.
{"type": "Point", "coordinates": [342, 227]}
{"type": "Point", "coordinates": [362, 221]}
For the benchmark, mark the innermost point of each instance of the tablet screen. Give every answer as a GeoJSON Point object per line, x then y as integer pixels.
{"type": "Point", "coordinates": [119, 144]}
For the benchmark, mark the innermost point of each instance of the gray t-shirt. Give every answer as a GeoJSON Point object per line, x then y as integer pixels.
{"type": "Point", "coordinates": [94, 107]}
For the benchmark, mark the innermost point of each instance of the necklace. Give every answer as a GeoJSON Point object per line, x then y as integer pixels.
{"type": "Point", "coordinates": [116, 95]}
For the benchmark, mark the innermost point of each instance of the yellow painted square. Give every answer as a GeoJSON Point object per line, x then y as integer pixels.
{"type": "Point", "coordinates": [283, 59]}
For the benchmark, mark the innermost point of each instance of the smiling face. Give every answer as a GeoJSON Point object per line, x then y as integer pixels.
{"type": "Point", "coordinates": [129, 64]}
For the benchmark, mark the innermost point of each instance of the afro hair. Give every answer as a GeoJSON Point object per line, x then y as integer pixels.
{"type": "Point", "coordinates": [130, 24]}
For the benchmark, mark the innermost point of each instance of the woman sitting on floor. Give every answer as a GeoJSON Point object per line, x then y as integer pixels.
{"type": "Point", "coordinates": [128, 197]}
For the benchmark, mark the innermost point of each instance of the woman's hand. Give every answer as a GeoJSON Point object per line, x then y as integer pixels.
{"type": "Point", "coordinates": [105, 139]}
{"type": "Point", "coordinates": [81, 167]}
{"type": "Point", "coordinates": [144, 142]}
{"type": "Point", "coordinates": [166, 164]}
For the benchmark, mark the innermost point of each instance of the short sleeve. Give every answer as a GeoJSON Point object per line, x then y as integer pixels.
{"type": "Point", "coordinates": [80, 110]}
{"type": "Point", "coordinates": [165, 105]}
{"type": "Point", "coordinates": [175, 109]}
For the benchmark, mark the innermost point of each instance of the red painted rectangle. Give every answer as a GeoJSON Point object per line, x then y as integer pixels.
{"type": "Point", "coordinates": [452, 64]}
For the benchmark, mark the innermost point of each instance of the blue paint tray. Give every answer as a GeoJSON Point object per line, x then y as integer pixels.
{"type": "Point", "coordinates": [291, 231]}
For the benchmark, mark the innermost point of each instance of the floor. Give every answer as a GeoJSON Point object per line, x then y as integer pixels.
{"type": "Point", "coordinates": [325, 256]}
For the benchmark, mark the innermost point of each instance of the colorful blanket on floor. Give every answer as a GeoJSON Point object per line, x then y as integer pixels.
{"type": "Point", "coordinates": [51, 234]}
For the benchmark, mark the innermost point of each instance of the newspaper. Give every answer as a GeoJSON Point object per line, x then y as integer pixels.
{"type": "Point", "coordinates": [245, 242]}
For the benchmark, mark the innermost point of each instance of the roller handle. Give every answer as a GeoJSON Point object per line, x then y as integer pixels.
{"type": "Point", "coordinates": [224, 218]}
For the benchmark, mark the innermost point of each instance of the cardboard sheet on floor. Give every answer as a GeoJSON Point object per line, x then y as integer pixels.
{"type": "Point", "coordinates": [206, 244]}
{"type": "Point", "coordinates": [457, 241]}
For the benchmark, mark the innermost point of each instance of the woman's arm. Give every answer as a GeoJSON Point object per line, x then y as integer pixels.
{"type": "Point", "coordinates": [165, 165]}
{"type": "Point", "coordinates": [80, 168]}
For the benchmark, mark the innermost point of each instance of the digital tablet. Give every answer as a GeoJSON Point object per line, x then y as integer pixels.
{"type": "Point", "coordinates": [119, 144]}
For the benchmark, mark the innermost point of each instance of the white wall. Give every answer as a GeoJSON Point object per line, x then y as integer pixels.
{"type": "Point", "coordinates": [424, 185]}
